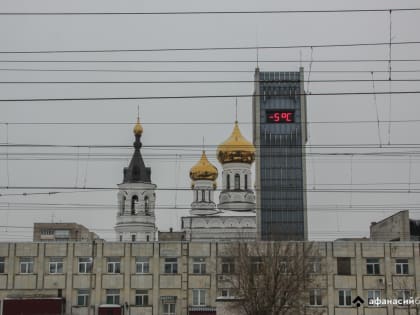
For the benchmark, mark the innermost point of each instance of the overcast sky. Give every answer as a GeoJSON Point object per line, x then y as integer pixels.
{"type": "Point", "coordinates": [174, 128]}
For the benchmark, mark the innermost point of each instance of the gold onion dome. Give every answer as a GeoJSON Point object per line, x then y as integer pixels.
{"type": "Point", "coordinates": [138, 129]}
{"type": "Point", "coordinates": [236, 149]}
{"type": "Point", "coordinates": [203, 170]}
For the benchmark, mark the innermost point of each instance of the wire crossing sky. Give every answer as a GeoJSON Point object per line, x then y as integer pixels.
{"type": "Point", "coordinates": [73, 74]}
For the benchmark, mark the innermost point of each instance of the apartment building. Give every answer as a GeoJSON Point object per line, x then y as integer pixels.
{"type": "Point", "coordinates": [174, 278]}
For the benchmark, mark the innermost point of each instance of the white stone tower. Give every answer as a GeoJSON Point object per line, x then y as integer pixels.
{"type": "Point", "coordinates": [136, 198]}
{"type": "Point", "coordinates": [203, 176]}
{"type": "Point", "coordinates": [236, 155]}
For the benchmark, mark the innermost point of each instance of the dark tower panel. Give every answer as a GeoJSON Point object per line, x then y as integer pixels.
{"type": "Point", "coordinates": [279, 134]}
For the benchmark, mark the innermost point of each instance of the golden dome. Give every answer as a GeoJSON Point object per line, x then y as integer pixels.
{"type": "Point", "coordinates": [138, 129]}
{"type": "Point", "coordinates": [236, 148]}
{"type": "Point", "coordinates": [203, 169]}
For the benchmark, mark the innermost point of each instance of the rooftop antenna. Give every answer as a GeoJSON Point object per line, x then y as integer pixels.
{"type": "Point", "coordinates": [203, 144]}
{"type": "Point", "coordinates": [236, 109]}
{"type": "Point", "coordinates": [256, 40]}
{"type": "Point", "coordinates": [138, 112]}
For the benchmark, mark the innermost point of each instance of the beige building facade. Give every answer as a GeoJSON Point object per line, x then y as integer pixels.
{"type": "Point", "coordinates": [179, 278]}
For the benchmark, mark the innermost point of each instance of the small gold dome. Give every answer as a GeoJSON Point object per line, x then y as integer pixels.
{"type": "Point", "coordinates": [203, 170]}
{"type": "Point", "coordinates": [236, 149]}
{"type": "Point", "coordinates": [138, 129]}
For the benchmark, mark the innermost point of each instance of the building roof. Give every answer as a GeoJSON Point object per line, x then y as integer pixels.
{"type": "Point", "coordinates": [137, 172]}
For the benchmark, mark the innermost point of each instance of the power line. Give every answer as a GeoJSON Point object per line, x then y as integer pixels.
{"type": "Point", "coordinates": [207, 81]}
{"type": "Point", "coordinates": [205, 61]}
{"type": "Point", "coordinates": [197, 96]}
{"type": "Point", "coordinates": [207, 48]}
{"type": "Point", "coordinates": [193, 71]}
{"type": "Point", "coordinates": [66, 123]}
{"type": "Point", "coordinates": [108, 13]}
{"type": "Point", "coordinates": [274, 188]}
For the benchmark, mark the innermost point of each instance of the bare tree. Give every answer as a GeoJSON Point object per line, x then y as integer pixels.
{"type": "Point", "coordinates": [271, 278]}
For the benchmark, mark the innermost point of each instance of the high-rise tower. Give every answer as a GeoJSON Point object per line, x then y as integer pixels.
{"type": "Point", "coordinates": [279, 122]}
{"type": "Point", "coordinates": [136, 198]}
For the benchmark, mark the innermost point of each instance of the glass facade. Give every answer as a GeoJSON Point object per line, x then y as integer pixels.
{"type": "Point", "coordinates": [280, 168]}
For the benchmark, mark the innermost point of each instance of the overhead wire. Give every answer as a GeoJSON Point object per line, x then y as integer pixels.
{"type": "Point", "coordinates": [208, 12]}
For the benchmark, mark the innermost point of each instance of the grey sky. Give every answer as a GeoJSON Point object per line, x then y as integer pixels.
{"type": "Point", "coordinates": [331, 214]}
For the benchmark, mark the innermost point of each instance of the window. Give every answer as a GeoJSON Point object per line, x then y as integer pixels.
{"type": "Point", "coordinates": [171, 265]}
{"type": "Point", "coordinates": [372, 266]}
{"type": "Point", "coordinates": [403, 294]}
{"type": "Point", "coordinates": [142, 265]}
{"type": "Point", "coordinates": [344, 266]}
{"type": "Point", "coordinates": [2, 264]}
{"type": "Point", "coordinates": [133, 237]}
{"type": "Point", "coordinates": [121, 237]}
{"type": "Point", "coordinates": [314, 265]}
{"type": "Point", "coordinates": [26, 264]}
{"type": "Point", "coordinates": [169, 309]}
{"type": "Point", "coordinates": [256, 264]}
{"type": "Point", "coordinates": [246, 182]}
{"type": "Point", "coordinates": [82, 297]}
{"type": "Point", "coordinates": [55, 265]}
{"type": "Point", "coordinates": [228, 182]}
{"type": "Point", "coordinates": [146, 206]}
{"type": "Point", "coordinates": [114, 264]}
{"type": "Point", "coordinates": [199, 297]}
{"type": "Point", "coordinates": [112, 296]}
{"type": "Point", "coordinates": [85, 264]}
{"type": "Point", "coordinates": [228, 265]}
{"type": "Point", "coordinates": [225, 293]}
{"type": "Point", "coordinates": [344, 297]}
{"type": "Point", "coordinates": [62, 234]}
{"type": "Point", "coordinates": [199, 265]}
{"type": "Point", "coordinates": [237, 182]}
{"type": "Point", "coordinates": [401, 266]}
{"type": "Point", "coordinates": [373, 295]}
{"type": "Point", "coordinates": [315, 297]}
{"type": "Point", "coordinates": [142, 297]}
{"type": "Point", "coordinates": [134, 200]}
{"type": "Point", "coordinates": [283, 265]}
{"type": "Point", "coordinates": [203, 195]}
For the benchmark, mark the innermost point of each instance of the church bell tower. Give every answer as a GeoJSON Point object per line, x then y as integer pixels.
{"type": "Point", "coordinates": [136, 198]}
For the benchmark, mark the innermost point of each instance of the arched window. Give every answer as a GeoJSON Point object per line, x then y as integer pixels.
{"type": "Point", "coordinates": [203, 195]}
{"type": "Point", "coordinates": [237, 182]}
{"type": "Point", "coordinates": [148, 238]}
{"type": "Point", "coordinates": [246, 182]}
{"type": "Point", "coordinates": [228, 181]}
{"type": "Point", "coordinates": [146, 206]}
{"type": "Point", "coordinates": [134, 200]}
{"type": "Point", "coordinates": [123, 204]}
{"type": "Point", "coordinates": [196, 195]}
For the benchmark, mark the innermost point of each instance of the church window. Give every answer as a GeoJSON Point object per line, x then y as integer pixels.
{"type": "Point", "coordinates": [134, 200]}
{"type": "Point", "coordinates": [123, 204]}
{"type": "Point", "coordinates": [146, 206]}
{"type": "Point", "coordinates": [237, 182]}
{"type": "Point", "coordinates": [228, 182]}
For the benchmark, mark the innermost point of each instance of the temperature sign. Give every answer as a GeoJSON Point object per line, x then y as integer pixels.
{"type": "Point", "coordinates": [280, 116]}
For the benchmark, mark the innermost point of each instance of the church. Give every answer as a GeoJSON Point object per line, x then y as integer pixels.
{"type": "Point", "coordinates": [234, 216]}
